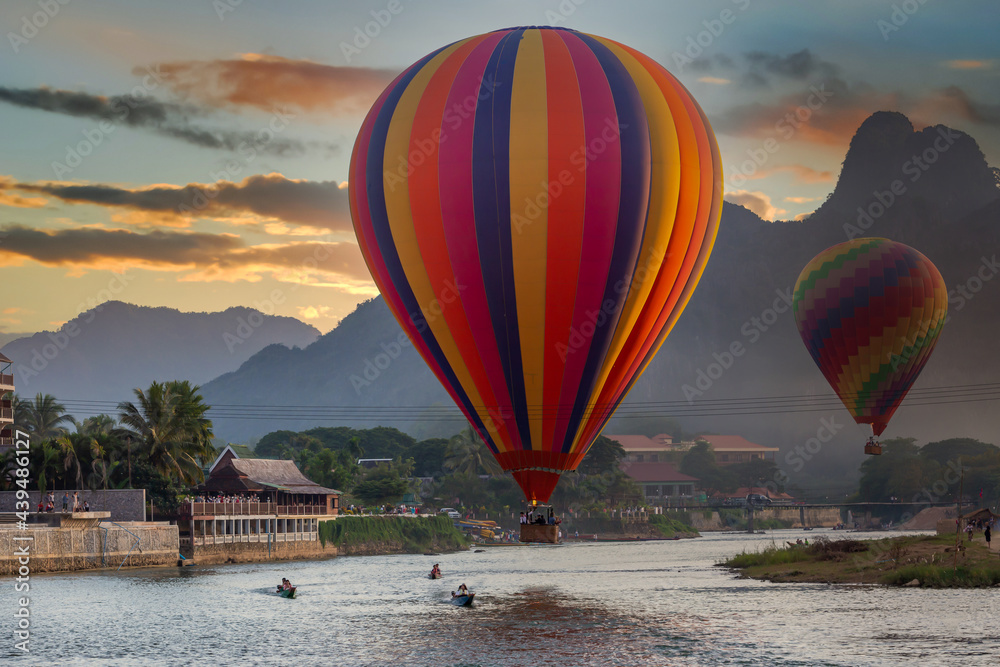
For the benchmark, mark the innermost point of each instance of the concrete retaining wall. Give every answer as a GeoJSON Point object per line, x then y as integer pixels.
{"type": "Point", "coordinates": [65, 549]}
{"type": "Point", "coordinates": [257, 552]}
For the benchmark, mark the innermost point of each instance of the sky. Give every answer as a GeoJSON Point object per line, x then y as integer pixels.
{"type": "Point", "coordinates": [195, 154]}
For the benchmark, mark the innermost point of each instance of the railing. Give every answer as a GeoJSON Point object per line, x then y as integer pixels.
{"type": "Point", "coordinates": [7, 414]}
{"type": "Point", "coordinates": [7, 380]}
{"type": "Point", "coordinates": [251, 509]}
{"type": "Point", "coordinates": [250, 538]}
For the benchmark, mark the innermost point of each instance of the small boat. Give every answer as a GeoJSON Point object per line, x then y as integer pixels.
{"type": "Point", "coordinates": [287, 593]}
{"type": "Point", "coordinates": [463, 600]}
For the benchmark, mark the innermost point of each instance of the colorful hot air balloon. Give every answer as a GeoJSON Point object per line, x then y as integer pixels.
{"type": "Point", "coordinates": [870, 312]}
{"type": "Point", "coordinates": [536, 206]}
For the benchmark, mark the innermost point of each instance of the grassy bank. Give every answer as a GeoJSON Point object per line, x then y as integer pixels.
{"type": "Point", "coordinates": [671, 526]}
{"type": "Point", "coordinates": [929, 560]}
{"type": "Point", "coordinates": [372, 535]}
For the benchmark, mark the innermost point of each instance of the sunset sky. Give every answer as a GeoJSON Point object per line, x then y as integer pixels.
{"type": "Point", "coordinates": [194, 154]}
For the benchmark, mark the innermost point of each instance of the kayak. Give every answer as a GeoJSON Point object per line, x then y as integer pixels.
{"type": "Point", "coordinates": [463, 600]}
{"type": "Point", "coordinates": [288, 593]}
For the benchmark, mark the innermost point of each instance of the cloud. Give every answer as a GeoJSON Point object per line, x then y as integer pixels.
{"type": "Point", "coordinates": [197, 256]}
{"type": "Point", "coordinates": [800, 174]}
{"type": "Point", "coordinates": [319, 205]}
{"type": "Point", "coordinates": [714, 80]}
{"type": "Point", "coordinates": [955, 102]}
{"type": "Point", "coordinates": [8, 198]}
{"type": "Point", "coordinates": [316, 312]}
{"type": "Point", "coordinates": [756, 201]}
{"type": "Point", "coordinates": [164, 118]}
{"type": "Point", "coordinates": [802, 200]}
{"type": "Point", "coordinates": [266, 81]}
{"type": "Point", "coordinates": [969, 64]}
{"type": "Point", "coordinates": [758, 69]}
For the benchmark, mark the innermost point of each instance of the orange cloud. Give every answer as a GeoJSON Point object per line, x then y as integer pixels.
{"type": "Point", "coordinates": [8, 198]}
{"type": "Point", "coordinates": [802, 200]}
{"type": "Point", "coordinates": [800, 173]}
{"type": "Point", "coordinates": [269, 82]}
{"type": "Point", "coordinates": [969, 64]}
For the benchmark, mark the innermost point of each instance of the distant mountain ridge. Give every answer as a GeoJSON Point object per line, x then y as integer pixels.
{"type": "Point", "coordinates": [946, 205]}
{"type": "Point", "coordinates": [106, 352]}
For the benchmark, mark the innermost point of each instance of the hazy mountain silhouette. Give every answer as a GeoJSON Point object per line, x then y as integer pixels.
{"type": "Point", "coordinates": [106, 352]}
{"type": "Point", "coordinates": [945, 205]}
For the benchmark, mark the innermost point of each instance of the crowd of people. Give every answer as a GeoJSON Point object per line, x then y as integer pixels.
{"type": "Point", "coordinates": [222, 498]}
{"type": "Point", "coordinates": [538, 517]}
{"type": "Point", "coordinates": [47, 503]}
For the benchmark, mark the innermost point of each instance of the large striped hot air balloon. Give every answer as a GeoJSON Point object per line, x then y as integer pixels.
{"type": "Point", "coordinates": [536, 205]}
{"type": "Point", "coordinates": [870, 312]}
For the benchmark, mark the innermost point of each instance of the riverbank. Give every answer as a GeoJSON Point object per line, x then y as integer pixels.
{"type": "Point", "coordinates": [379, 535]}
{"type": "Point", "coordinates": [920, 560]}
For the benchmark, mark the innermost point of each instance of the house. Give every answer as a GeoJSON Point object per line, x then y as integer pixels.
{"type": "Point", "coordinates": [660, 480]}
{"type": "Point", "coordinates": [643, 449]}
{"type": "Point", "coordinates": [6, 403]}
{"type": "Point", "coordinates": [731, 449]}
{"type": "Point", "coordinates": [229, 453]}
{"type": "Point", "coordinates": [271, 508]}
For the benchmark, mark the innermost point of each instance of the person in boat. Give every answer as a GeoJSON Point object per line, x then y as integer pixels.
{"type": "Point", "coordinates": [462, 591]}
{"type": "Point", "coordinates": [435, 571]}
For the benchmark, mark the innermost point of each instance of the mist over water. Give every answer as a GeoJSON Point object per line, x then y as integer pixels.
{"type": "Point", "coordinates": [651, 603]}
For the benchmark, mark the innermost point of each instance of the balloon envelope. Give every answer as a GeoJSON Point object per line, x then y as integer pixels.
{"type": "Point", "coordinates": [536, 205]}
{"type": "Point", "coordinates": [870, 312]}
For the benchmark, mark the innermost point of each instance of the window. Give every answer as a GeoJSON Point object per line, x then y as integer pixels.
{"type": "Point", "coordinates": [638, 458]}
{"type": "Point", "coordinates": [653, 458]}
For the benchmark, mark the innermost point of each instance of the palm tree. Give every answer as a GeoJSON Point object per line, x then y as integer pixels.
{"type": "Point", "coordinates": [467, 454]}
{"type": "Point", "coordinates": [70, 447]}
{"type": "Point", "coordinates": [45, 464]}
{"type": "Point", "coordinates": [44, 418]}
{"type": "Point", "coordinates": [96, 425]}
{"type": "Point", "coordinates": [168, 421]}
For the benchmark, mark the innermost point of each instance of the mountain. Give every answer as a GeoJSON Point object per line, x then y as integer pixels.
{"type": "Point", "coordinates": [931, 189]}
{"type": "Point", "coordinates": [104, 353]}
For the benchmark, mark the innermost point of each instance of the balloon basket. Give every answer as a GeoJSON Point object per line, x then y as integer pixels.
{"type": "Point", "coordinates": [539, 534]}
{"type": "Point", "coordinates": [873, 449]}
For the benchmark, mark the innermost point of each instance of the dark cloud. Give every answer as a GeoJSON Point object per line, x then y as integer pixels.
{"type": "Point", "coordinates": [203, 257]}
{"type": "Point", "coordinates": [320, 204]}
{"type": "Point", "coordinates": [800, 66]}
{"type": "Point", "coordinates": [265, 82]}
{"type": "Point", "coordinates": [90, 245]}
{"type": "Point", "coordinates": [148, 113]}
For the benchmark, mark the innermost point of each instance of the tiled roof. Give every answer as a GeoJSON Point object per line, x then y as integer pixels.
{"type": "Point", "coordinates": [282, 475]}
{"type": "Point", "coordinates": [734, 443]}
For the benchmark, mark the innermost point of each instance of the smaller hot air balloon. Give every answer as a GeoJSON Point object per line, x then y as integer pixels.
{"type": "Point", "coordinates": [870, 312]}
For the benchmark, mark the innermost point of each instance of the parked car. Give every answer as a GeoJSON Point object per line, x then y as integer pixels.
{"type": "Point", "coordinates": [450, 511]}
{"type": "Point", "coordinates": [758, 499]}
{"type": "Point", "coordinates": [735, 502]}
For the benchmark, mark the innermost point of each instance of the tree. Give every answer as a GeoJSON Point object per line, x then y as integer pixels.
{"type": "Point", "coordinates": [44, 418]}
{"type": "Point", "coordinates": [428, 456]}
{"type": "Point", "coordinates": [467, 454]}
{"type": "Point", "coordinates": [700, 462]}
{"type": "Point", "coordinates": [168, 421]}
{"type": "Point", "coordinates": [97, 425]}
{"type": "Point", "coordinates": [384, 483]}
{"type": "Point", "coordinates": [602, 457]}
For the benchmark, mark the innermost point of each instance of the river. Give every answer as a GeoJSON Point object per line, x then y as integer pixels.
{"type": "Point", "coordinates": [648, 603]}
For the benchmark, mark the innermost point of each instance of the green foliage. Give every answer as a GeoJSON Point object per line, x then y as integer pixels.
{"type": "Point", "coordinates": [384, 483]}
{"type": "Point", "coordinates": [428, 456]}
{"type": "Point", "coordinates": [700, 462]}
{"type": "Point", "coordinates": [411, 535]}
{"type": "Point", "coordinates": [467, 454]}
{"type": "Point", "coordinates": [44, 418]}
{"type": "Point", "coordinates": [938, 576]}
{"type": "Point", "coordinates": [670, 526]}
{"type": "Point", "coordinates": [602, 457]}
{"type": "Point", "coordinates": [770, 555]}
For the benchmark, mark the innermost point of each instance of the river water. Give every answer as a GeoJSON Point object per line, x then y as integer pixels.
{"type": "Point", "coordinates": [648, 603]}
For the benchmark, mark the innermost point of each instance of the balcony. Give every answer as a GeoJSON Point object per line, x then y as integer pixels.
{"type": "Point", "coordinates": [203, 540]}
{"type": "Point", "coordinates": [6, 382]}
{"type": "Point", "coordinates": [251, 509]}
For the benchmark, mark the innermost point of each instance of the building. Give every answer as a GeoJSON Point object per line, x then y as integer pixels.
{"type": "Point", "coordinates": [643, 449]}
{"type": "Point", "coordinates": [278, 512]}
{"type": "Point", "coordinates": [731, 449]}
{"type": "Point", "coordinates": [228, 454]}
{"type": "Point", "coordinates": [6, 402]}
{"type": "Point", "coordinates": [660, 481]}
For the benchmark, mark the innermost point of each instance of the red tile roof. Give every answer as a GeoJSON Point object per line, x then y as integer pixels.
{"type": "Point", "coordinates": [734, 443]}
{"type": "Point", "coordinates": [656, 471]}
